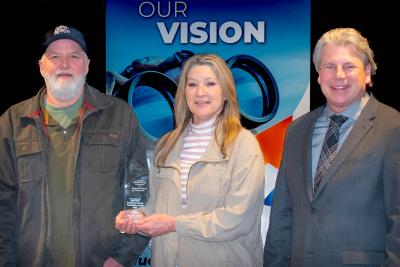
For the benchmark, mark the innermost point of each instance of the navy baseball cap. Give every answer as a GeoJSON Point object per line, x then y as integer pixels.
{"type": "Point", "coordinates": [65, 32]}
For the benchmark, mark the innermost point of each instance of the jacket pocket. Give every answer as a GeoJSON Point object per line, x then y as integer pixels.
{"type": "Point", "coordinates": [29, 161]}
{"type": "Point", "coordinates": [208, 185]}
{"type": "Point", "coordinates": [100, 152]}
{"type": "Point", "coordinates": [365, 257]}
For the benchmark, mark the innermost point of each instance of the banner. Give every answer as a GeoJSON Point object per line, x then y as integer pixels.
{"type": "Point", "coordinates": [265, 43]}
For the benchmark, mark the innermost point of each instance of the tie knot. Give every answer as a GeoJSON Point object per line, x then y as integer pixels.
{"type": "Point", "coordinates": [338, 119]}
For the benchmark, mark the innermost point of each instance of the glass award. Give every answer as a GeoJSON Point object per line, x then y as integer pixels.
{"type": "Point", "coordinates": [136, 188]}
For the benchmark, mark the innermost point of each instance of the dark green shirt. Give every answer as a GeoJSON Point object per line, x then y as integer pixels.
{"type": "Point", "coordinates": [62, 153]}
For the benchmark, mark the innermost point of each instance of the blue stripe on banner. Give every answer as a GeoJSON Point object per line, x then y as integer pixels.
{"type": "Point", "coordinates": [268, 199]}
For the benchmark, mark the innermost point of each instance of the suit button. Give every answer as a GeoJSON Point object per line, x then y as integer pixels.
{"type": "Point", "coordinates": [313, 210]}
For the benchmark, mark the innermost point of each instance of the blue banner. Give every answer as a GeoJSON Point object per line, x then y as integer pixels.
{"type": "Point", "coordinates": [266, 43]}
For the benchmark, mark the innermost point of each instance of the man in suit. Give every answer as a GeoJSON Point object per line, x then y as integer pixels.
{"type": "Point", "coordinates": [337, 195]}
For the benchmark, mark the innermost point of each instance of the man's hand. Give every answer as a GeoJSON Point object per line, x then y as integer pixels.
{"type": "Point", "coordinates": [110, 262]}
{"type": "Point", "coordinates": [126, 221]}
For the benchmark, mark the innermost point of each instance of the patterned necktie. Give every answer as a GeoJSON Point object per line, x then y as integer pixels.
{"type": "Point", "coordinates": [329, 148]}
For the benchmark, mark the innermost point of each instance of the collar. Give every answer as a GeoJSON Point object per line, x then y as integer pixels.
{"type": "Point", "coordinates": [212, 153]}
{"type": "Point", "coordinates": [352, 112]}
{"type": "Point", "coordinates": [92, 100]}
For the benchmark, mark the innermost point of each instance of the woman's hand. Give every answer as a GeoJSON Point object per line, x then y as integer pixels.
{"type": "Point", "coordinates": [126, 221]}
{"type": "Point", "coordinates": [156, 224]}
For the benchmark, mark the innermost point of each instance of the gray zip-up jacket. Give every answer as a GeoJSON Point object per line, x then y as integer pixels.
{"type": "Point", "coordinates": [108, 135]}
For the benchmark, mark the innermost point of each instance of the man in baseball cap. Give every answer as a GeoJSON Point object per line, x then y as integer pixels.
{"type": "Point", "coordinates": [61, 167]}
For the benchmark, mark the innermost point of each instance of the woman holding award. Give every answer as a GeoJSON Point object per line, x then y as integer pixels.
{"type": "Point", "coordinates": [207, 178]}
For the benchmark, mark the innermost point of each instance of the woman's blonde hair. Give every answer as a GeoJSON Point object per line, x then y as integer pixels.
{"type": "Point", "coordinates": [227, 123]}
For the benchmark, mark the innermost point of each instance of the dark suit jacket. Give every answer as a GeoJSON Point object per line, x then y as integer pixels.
{"type": "Point", "coordinates": [354, 219]}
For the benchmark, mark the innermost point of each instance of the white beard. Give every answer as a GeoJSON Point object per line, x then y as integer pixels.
{"type": "Point", "coordinates": [64, 90]}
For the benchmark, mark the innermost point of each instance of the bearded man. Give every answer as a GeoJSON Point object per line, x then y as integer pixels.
{"type": "Point", "coordinates": [62, 158]}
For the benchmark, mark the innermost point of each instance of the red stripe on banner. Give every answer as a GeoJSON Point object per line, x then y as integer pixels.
{"type": "Point", "coordinates": [271, 142]}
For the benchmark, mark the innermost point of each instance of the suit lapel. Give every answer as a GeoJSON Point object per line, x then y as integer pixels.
{"type": "Point", "coordinates": [360, 129]}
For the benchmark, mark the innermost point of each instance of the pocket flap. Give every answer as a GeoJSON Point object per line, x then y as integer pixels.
{"type": "Point", "coordinates": [101, 139]}
{"type": "Point", "coordinates": [366, 257]}
{"type": "Point", "coordinates": [27, 148]}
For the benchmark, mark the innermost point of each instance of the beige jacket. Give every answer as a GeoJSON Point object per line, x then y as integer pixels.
{"type": "Point", "coordinates": [220, 225]}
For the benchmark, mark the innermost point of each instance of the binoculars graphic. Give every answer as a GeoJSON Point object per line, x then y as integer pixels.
{"type": "Point", "coordinates": [149, 86]}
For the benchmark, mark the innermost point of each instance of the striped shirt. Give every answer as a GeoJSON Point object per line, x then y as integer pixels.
{"type": "Point", "coordinates": [194, 145]}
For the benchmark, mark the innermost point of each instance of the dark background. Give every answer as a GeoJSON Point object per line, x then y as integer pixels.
{"type": "Point", "coordinates": [376, 21]}
{"type": "Point", "coordinates": [23, 31]}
